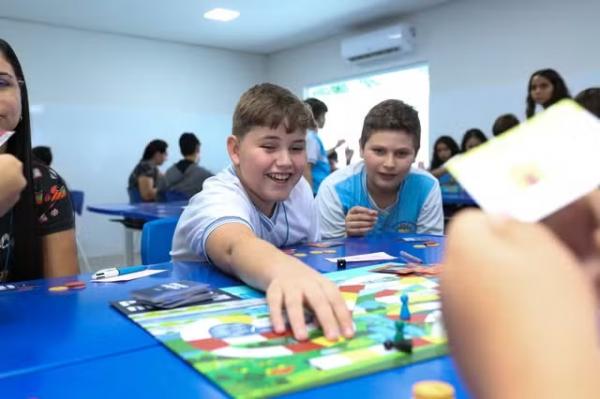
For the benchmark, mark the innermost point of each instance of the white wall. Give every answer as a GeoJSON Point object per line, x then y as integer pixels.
{"type": "Point", "coordinates": [480, 54]}
{"type": "Point", "coordinates": [98, 99]}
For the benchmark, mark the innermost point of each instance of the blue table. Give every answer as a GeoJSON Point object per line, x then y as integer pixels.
{"type": "Point", "coordinates": [74, 344]}
{"type": "Point", "coordinates": [146, 211]}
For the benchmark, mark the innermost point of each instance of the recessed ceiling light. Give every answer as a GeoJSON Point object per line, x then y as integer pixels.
{"type": "Point", "coordinates": [221, 14]}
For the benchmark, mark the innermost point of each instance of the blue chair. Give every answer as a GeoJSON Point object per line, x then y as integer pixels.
{"type": "Point", "coordinates": [134, 195]}
{"type": "Point", "coordinates": [157, 237]}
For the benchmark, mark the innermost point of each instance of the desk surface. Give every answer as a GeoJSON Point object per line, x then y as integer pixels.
{"type": "Point", "coordinates": [74, 344]}
{"type": "Point", "coordinates": [144, 211]}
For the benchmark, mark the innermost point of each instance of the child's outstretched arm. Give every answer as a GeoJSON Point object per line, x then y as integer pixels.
{"type": "Point", "coordinates": [289, 283]}
{"type": "Point", "coordinates": [520, 313]}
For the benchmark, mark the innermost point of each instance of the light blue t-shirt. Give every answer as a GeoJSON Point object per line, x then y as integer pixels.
{"type": "Point", "coordinates": [418, 207]}
{"type": "Point", "coordinates": [317, 156]}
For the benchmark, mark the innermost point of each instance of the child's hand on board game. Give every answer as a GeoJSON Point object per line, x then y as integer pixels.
{"type": "Point", "coordinates": [299, 285]}
{"type": "Point", "coordinates": [360, 220]}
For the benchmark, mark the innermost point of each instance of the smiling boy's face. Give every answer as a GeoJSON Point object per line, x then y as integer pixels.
{"type": "Point", "coordinates": [269, 163]}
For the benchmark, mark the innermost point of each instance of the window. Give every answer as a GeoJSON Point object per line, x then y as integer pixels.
{"type": "Point", "coordinates": [349, 101]}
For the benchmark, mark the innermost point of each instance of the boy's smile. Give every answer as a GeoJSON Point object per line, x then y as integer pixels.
{"type": "Point", "coordinates": [269, 163]}
{"type": "Point", "coordinates": [388, 156]}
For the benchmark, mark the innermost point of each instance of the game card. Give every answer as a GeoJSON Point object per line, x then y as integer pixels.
{"type": "Point", "coordinates": [535, 168]}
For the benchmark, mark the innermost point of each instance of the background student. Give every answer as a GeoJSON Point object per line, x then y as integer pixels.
{"type": "Point", "coordinates": [43, 154]}
{"type": "Point", "coordinates": [471, 139]}
{"type": "Point", "coordinates": [545, 88]}
{"type": "Point", "coordinates": [444, 148]}
{"type": "Point", "coordinates": [144, 179]}
{"type": "Point", "coordinates": [383, 193]}
{"type": "Point", "coordinates": [590, 100]}
{"type": "Point", "coordinates": [186, 177]}
{"type": "Point", "coordinates": [259, 203]}
{"type": "Point", "coordinates": [503, 123]}
{"type": "Point", "coordinates": [520, 303]}
{"type": "Point", "coordinates": [37, 234]}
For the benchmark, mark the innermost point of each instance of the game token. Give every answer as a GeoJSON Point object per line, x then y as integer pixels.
{"type": "Point", "coordinates": [433, 390]}
{"type": "Point", "coordinates": [75, 284]}
{"type": "Point", "coordinates": [432, 244]}
{"type": "Point", "coordinates": [316, 252]}
{"type": "Point", "coordinates": [58, 288]}
{"type": "Point", "coordinates": [300, 255]}
{"type": "Point", "coordinates": [404, 311]}
{"type": "Point", "coordinates": [341, 264]}
{"type": "Point", "coordinates": [420, 246]}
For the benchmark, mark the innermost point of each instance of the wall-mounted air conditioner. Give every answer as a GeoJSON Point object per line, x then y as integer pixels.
{"type": "Point", "coordinates": [383, 43]}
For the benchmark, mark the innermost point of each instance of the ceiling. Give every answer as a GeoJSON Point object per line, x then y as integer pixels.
{"type": "Point", "coordinates": [264, 26]}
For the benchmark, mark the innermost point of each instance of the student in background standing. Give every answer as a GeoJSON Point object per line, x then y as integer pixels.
{"type": "Point", "coordinates": [471, 139]}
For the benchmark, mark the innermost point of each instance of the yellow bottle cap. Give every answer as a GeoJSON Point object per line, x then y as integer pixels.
{"type": "Point", "coordinates": [433, 390]}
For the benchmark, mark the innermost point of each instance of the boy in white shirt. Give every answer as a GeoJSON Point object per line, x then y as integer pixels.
{"type": "Point", "coordinates": [260, 202]}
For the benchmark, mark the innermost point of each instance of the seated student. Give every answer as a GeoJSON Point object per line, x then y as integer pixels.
{"type": "Point", "coordinates": [186, 176]}
{"type": "Point", "coordinates": [545, 88]}
{"type": "Point", "coordinates": [471, 139]}
{"type": "Point", "coordinates": [43, 154]}
{"type": "Point", "coordinates": [444, 148]}
{"type": "Point", "coordinates": [590, 100]}
{"type": "Point", "coordinates": [259, 203]}
{"type": "Point", "coordinates": [383, 193]}
{"type": "Point", "coordinates": [520, 303]}
{"type": "Point", "coordinates": [37, 235]}
{"type": "Point", "coordinates": [503, 123]}
{"type": "Point", "coordinates": [144, 179]}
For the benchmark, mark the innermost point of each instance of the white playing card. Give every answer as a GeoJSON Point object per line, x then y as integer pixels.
{"type": "Point", "coordinates": [4, 136]}
{"type": "Point", "coordinates": [535, 168]}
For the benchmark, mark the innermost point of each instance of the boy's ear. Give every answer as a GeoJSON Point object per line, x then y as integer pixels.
{"type": "Point", "coordinates": [233, 149]}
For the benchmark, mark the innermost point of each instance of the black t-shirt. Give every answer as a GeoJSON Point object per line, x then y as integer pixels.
{"type": "Point", "coordinates": [144, 168]}
{"type": "Point", "coordinates": [53, 210]}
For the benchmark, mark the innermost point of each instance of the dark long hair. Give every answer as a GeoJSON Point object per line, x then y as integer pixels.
{"type": "Point", "coordinates": [27, 259]}
{"type": "Point", "coordinates": [559, 89]}
{"type": "Point", "coordinates": [436, 162]}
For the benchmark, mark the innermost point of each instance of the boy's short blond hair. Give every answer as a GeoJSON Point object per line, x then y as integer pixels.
{"type": "Point", "coordinates": [269, 105]}
{"type": "Point", "coordinates": [392, 115]}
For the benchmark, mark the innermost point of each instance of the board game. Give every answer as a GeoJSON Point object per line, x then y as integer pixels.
{"type": "Point", "coordinates": [232, 342]}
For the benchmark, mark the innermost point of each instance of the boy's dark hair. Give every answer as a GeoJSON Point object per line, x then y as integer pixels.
{"type": "Point", "coordinates": [317, 107]}
{"type": "Point", "coordinates": [590, 100]}
{"type": "Point", "coordinates": [153, 147]}
{"type": "Point", "coordinates": [43, 154]}
{"type": "Point", "coordinates": [392, 115]}
{"type": "Point", "coordinates": [477, 133]}
{"type": "Point", "coordinates": [559, 91]}
{"type": "Point", "coordinates": [503, 123]}
{"type": "Point", "coordinates": [269, 105]}
{"type": "Point", "coordinates": [452, 145]}
{"type": "Point", "coordinates": [188, 144]}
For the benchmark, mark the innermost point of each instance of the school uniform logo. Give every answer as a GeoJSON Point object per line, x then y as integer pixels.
{"type": "Point", "coordinates": [406, 227]}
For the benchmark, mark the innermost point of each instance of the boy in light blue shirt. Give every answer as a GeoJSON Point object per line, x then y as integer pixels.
{"type": "Point", "coordinates": [383, 193]}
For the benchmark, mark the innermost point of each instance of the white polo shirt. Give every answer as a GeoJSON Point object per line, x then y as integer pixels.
{"type": "Point", "coordinates": [224, 200]}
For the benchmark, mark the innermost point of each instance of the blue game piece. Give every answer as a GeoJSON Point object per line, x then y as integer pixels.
{"type": "Point", "coordinates": [404, 311]}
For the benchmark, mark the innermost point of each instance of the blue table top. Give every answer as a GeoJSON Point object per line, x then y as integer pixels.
{"type": "Point", "coordinates": [143, 211]}
{"type": "Point", "coordinates": [67, 344]}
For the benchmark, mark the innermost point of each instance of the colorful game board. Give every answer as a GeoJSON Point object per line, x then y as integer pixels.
{"type": "Point", "coordinates": [232, 343]}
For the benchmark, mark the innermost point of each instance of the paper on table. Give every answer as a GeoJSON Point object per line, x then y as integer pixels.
{"type": "Point", "coordinates": [535, 168]}
{"type": "Point", "coordinates": [129, 276]}
{"type": "Point", "coordinates": [365, 257]}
